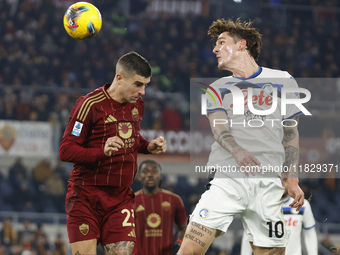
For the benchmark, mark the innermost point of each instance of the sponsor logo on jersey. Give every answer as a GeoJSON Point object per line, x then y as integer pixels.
{"type": "Point", "coordinates": [153, 232]}
{"type": "Point", "coordinates": [77, 128]}
{"type": "Point", "coordinates": [153, 220]}
{"type": "Point", "coordinates": [260, 99]}
{"type": "Point", "coordinates": [84, 229]}
{"type": "Point", "coordinates": [110, 118]}
{"type": "Point", "coordinates": [125, 129]}
{"type": "Point", "coordinates": [291, 221]}
{"type": "Point", "coordinates": [204, 213]}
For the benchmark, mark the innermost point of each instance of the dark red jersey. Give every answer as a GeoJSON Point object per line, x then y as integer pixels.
{"type": "Point", "coordinates": [93, 119]}
{"type": "Point", "coordinates": [155, 216]}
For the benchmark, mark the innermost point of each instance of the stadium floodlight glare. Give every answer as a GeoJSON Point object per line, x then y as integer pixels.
{"type": "Point", "coordinates": [238, 1]}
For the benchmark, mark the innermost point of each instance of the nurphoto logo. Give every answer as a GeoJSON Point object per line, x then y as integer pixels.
{"type": "Point", "coordinates": [268, 96]}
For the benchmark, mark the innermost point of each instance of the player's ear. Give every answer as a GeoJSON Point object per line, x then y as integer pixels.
{"type": "Point", "coordinates": [242, 44]}
{"type": "Point", "coordinates": [119, 78]}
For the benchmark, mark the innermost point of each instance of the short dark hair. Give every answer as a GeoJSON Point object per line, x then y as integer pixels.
{"type": "Point", "coordinates": [132, 62]}
{"type": "Point", "coordinates": [147, 162]}
{"type": "Point", "coordinates": [238, 30]}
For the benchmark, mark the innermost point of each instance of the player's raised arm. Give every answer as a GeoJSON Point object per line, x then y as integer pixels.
{"type": "Point", "coordinates": [221, 131]}
{"type": "Point", "coordinates": [291, 146]}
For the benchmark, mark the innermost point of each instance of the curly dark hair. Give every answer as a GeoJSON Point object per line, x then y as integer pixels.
{"type": "Point", "coordinates": [238, 30]}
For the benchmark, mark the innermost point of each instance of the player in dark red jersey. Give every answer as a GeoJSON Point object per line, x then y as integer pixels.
{"type": "Point", "coordinates": [102, 139]}
{"type": "Point", "coordinates": [156, 211]}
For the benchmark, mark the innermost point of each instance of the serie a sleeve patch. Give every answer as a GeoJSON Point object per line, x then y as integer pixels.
{"type": "Point", "coordinates": [77, 128]}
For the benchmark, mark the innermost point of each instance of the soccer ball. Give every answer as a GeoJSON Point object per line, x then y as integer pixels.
{"type": "Point", "coordinates": [82, 20]}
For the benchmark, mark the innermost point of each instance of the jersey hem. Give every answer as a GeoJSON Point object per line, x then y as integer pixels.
{"type": "Point", "coordinates": [310, 227]}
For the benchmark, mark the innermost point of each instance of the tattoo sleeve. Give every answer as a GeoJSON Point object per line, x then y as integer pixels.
{"type": "Point", "coordinates": [119, 248]}
{"type": "Point", "coordinates": [222, 133]}
{"type": "Point", "coordinates": [226, 140]}
{"type": "Point", "coordinates": [291, 146]}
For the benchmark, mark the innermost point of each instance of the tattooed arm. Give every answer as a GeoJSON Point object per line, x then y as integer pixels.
{"type": "Point", "coordinates": [291, 146]}
{"type": "Point", "coordinates": [223, 136]}
{"type": "Point", "coordinates": [119, 248]}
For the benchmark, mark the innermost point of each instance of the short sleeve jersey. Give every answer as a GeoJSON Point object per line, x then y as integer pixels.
{"type": "Point", "coordinates": [95, 118]}
{"type": "Point", "coordinates": [260, 134]}
{"type": "Point", "coordinates": [294, 223]}
{"type": "Point", "coordinates": [155, 216]}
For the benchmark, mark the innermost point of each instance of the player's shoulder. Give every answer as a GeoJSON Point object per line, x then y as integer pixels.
{"type": "Point", "coordinates": [169, 193]}
{"type": "Point", "coordinates": [306, 203]}
{"type": "Point", "coordinates": [289, 200]}
{"type": "Point", "coordinates": [221, 81]}
{"type": "Point", "coordinates": [85, 103]}
{"type": "Point", "coordinates": [96, 92]}
{"type": "Point", "coordinates": [138, 193]}
{"type": "Point", "coordinates": [93, 97]}
{"type": "Point", "coordinates": [274, 73]}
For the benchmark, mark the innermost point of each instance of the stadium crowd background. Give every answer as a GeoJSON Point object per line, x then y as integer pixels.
{"type": "Point", "coordinates": [43, 72]}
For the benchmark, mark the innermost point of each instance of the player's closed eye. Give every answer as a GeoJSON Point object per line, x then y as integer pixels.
{"type": "Point", "coordinates": [139, 84]}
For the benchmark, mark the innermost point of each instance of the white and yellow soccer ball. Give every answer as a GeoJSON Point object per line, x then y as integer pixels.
{"type": "Point", "coordinates": [82, 20]}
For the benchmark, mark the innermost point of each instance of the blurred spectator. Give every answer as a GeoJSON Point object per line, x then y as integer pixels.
{"type": "Point", "coordinates": [8, 235]}
{"type": "Point", "coordinates": [62, 171]}
{"type": "Point", "coordinates": [41, 244]}
{"type": "Point", "coordinates": [3, 250]}
{"type": "Point", "coordinates": [23, 196]}
{"type": "Point", "coordinates": [41, 172]}
{"type": "Point", "coordinates": [37, 53]}
{"type": "Point", "coordinates": [56, 190]}
{"type": "Point", "coordinates": [24, 190]}
{"type": "Point", "coordinates": [17, 172]}
{"type": "Point", "coordinates": [26, 232]}
{"type": "Point", "coordinates": [59, 246]}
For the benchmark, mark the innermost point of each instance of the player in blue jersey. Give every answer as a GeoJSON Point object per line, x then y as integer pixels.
{"type": "Point", "coordinates": [244, 145]}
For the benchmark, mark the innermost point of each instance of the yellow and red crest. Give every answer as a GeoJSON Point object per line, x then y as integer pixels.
{"type": "Point", "coordinates": [84, 229]}
{"type": "Point", "coordinates": [7, 136]}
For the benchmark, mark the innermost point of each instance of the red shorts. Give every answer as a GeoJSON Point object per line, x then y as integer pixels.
{"type": "Point", "coordinates": [100, 212]}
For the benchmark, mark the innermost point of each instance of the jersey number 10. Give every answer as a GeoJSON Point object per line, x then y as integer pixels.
{"type": "Point", "coordinates": [278, 229]}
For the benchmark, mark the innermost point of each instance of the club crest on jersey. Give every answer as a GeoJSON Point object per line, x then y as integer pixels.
{"type": "Point", "coordinates": [204, 213]}
{"type": "Point", "coordinates": [135, 114]}
{"type": "Point", "coordinates": [268, 88]}
{"type": "Point", "coordinates": [84, 229]}
{"type": "Point", "coordinates": [166, 205]}
{"type": "Point", "coordinates": [77, 128]}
